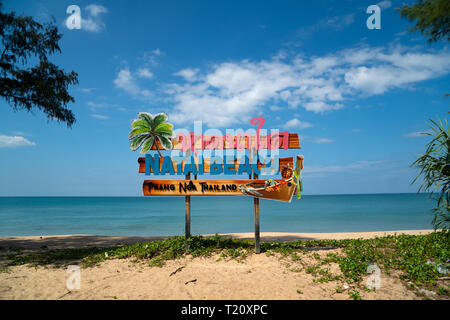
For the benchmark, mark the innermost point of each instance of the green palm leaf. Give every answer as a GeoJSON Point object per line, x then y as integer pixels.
{"type": "Point", "coordinates": [165, 142]}
{"type": "Point", "coordinates": [164, 129]}
{"type": "Point", "coordinates": [137, 142]}
{"type": "Point", "coordinates": [160, 118]}
{"type": "Point", "coordinates": [139, 123]}
{"type": "Point", "coordinates": [135, 132]}
{"type": "Point", "coordinates": [148, 144]}
{"type": "Point", "coordinates": [147, 117]}
{"type": "Point", "coordinates": [434, 169]}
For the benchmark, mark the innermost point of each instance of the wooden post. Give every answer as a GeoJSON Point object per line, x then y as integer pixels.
{"type": "Point", "coordinates": [256, 205]}
{"type": "Point", "coordinates": [187, 232]}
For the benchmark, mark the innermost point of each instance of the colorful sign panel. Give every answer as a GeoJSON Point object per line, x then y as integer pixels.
{"type": "Point", "coordinates": [187, 158]}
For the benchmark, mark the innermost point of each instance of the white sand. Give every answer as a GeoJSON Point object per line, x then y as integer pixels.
{"type": "Point", "coordinates": [258, 277]}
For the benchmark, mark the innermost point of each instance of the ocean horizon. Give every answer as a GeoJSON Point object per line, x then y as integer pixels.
{"type": "Point", "coordinates": [164, 216]}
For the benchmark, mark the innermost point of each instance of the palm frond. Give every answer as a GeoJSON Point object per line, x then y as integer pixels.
{"type": "Point", "coordinates": [139, 123]}
{"type": "Point", "coordinates": [164, 129]}
{"type": "Point", "coordinates": [137, 142]}
{"type": "Point", "coordinates": [138, 131]}
{"type": "Point", "coordinates": [147, 117]}
{"type": "Point", "coordinates": [165, 142]}
{"type": "Point", "coordinates": [148, 144]}
{"type": "Point", "coordinates": [160, 118]}
{"type": "Point", "coordinates": [434, 167]}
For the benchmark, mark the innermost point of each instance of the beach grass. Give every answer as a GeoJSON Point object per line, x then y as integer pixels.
{"type": "Point", "coordinates": [417, 260]}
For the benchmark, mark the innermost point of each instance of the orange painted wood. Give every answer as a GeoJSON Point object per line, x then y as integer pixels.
{"type": "Point", "coordinates": [189, 188]}
{"type": "Point", "coordinates": [193, 187]}
{"type": "Point", "coordinates": [207, 164]}
{"type": "Point", "coordinates": [210, 141]}
{"type": "Point", "coordinates": [299, 162]}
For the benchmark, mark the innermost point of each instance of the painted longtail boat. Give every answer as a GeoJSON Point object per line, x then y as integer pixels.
{"type": "Point", "coordinates": [277, 189]}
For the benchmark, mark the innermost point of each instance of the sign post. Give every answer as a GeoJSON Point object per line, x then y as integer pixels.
{"type": "Point", "coordinates": [256, 205]}
{"type": "Point", "coordinates": [187, 232]}
{"type": "Point", "coordinates": [274, 189]}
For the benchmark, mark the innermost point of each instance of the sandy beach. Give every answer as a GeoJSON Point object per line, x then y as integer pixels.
{"type": "Point", "coordinates": [258, 277]}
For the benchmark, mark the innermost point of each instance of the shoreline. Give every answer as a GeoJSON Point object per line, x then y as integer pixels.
{"type": "Point", "coordinates": [87, 240]}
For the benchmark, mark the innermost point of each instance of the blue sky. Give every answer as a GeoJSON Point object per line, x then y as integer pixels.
{"type": "Point", "coordinates": [358, 98]}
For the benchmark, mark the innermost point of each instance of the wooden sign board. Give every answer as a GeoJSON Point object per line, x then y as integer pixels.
{"type": "Point", "coordinates": [207, 164]}
{"type": "Point", "coordinates": [283, 190]}
{"type": "Point", "coordinates": [207, 142]}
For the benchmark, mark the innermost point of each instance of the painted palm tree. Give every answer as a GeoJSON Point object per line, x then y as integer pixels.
{"type": "Point", "coordinates": [148, 129]}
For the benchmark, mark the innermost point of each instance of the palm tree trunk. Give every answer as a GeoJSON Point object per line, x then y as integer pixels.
{"type": "Point", "coordinates": [157, 149]}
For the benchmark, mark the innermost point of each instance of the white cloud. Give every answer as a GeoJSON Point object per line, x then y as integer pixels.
{"type": "Point", "coordinates": [383, 71]}
{"type": "Point", "coordinates": [384, 4]}
{"type": "Point", "coordinates": [318, 84]}
{"type": "Point", "coordinates": [93, 22]}
{"type": "Point", "coordinates": [402, 33]}
{"type": "Point", "coordinates": [320, 106]}
{"type": "Point", "coordinates": [157, 52]}
{"type": "Point", "coordinates": [95, 10]}
{"type": "Point", "coordinates": [91, 25]}
{"type": "Point", "coordinates": [417, 134]}
{"type": "Point", "coordinates": [99, 116]}
{"type": "Point", "coordinates": [297, 124]}
{"type": "Point", "coordinates": [127, 82]}
{"type": "Point", "coordinates": [14, 141]}
{"type": "Point", "coordinates": [231, 92]}
{"type": "Point", "coordinates": [86, 90]}
{"type": "Point", "coordinates": [149, 58]}
{"type": "Point", "coordinates": [95, 105]}
{"type": "Point", "coordinates": [188, 74]}
{"type": "Point", "coordinates": [322, 140]}
{"type": "Point", "coordinates": [144, 73]}
{"type": "Point", "coordinates": [335, 23]}
{"type": "Point", "coordinates": [239, 89]}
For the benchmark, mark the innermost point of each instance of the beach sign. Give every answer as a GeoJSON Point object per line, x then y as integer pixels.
{"type": "Point", "coordinates": [238, 153]}
{"type": "Point", "coordinates": [274, 189]}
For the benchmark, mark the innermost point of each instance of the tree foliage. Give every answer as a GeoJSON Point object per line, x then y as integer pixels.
{"type": "Point", "coordinates": [434, 167]}
{"type": "Point", "coordinates": [42, 85]}
{"type": "Point", "coordinates": [432, 18]}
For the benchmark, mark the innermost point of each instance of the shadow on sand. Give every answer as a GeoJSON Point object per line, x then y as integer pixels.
{"type": "Point", "coordinates": [90, 241]}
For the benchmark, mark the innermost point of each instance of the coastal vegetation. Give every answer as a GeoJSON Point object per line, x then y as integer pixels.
{"type": "Point", "coordinates": [421, 262]}
{"type": "Point", "coordinates": [434, 165]}
{"type": "Point", "coordinates": [44, 86]}
{"type": "Point", "coordinates": [431, 18]}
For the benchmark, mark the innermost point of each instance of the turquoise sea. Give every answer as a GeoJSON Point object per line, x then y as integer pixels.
{"type": "Point", "coordinates": [20, 216]}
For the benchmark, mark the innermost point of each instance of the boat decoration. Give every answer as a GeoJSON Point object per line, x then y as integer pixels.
{"type": "Point", "coordinates": [278, 189]}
